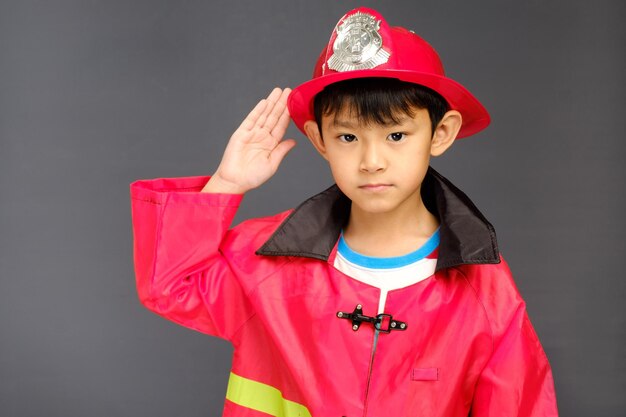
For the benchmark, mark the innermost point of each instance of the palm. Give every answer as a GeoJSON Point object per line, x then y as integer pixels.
{"type": "Point", "coordinates": [256, 149]}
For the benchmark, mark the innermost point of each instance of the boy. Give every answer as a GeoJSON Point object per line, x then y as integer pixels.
{"type": "Point", "coordinates": [384, 295]}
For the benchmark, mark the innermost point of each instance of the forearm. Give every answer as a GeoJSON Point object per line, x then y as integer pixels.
{"type": "Point", "coordinates": [218, 185]}
{"type": "Point", "coordinates": [180, 272]}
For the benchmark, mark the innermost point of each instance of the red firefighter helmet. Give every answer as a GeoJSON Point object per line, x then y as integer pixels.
{"type": "Point", "coordinates": [364, 45]}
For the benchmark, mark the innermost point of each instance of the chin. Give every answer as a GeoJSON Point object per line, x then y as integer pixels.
{"type": "Point", "coordinates": [374, 207]}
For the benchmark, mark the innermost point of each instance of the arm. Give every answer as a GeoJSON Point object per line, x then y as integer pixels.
{"type": "Point", "coordinates": [517, 381]}
{"type": "Point", "coordinates": [178, 267]}
{"type": "Point", "coordinates": [181, 273]}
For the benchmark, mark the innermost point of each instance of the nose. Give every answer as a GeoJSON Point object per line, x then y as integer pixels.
{"type": "Point", "coordinates": [372, 159]}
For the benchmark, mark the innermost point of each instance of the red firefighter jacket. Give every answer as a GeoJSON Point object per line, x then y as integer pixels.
{"type": "Point", "coordinates": [307, 341]}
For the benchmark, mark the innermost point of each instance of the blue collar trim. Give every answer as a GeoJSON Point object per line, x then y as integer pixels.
{"type": "Point", "coordinates": [388, 263]}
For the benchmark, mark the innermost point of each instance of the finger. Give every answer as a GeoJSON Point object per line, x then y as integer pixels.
{"type": "Point", "coordinates": [273, 118]}
{"type": "Point", "coordinates": [259, 110]}
{"type": "Point", "coordinates": [281, 126]}
{"type": "Point", "coordinates": [252, 117]}
{"type": "Point", "coordinates": [271, 102]}
{"type": "Point", "coordinates": [279, 109]}
{"type": "Point", "coordinates": [279, 152]}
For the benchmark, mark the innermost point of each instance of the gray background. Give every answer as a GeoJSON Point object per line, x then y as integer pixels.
{"type": "Point", "coordinates": [96, 94]}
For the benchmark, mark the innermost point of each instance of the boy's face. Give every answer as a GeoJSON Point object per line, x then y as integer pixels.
{"type": "Point", "coordinates": [381, 167]}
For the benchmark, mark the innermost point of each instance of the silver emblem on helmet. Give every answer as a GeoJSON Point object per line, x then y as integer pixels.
{"type": "Point", "coordinates": [358, 44]}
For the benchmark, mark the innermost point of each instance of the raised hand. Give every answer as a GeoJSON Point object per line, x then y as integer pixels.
{"type": "Point", "coordinates": [256, 149]}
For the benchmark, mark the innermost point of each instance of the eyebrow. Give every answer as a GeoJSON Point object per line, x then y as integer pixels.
{"type": "Point", "coordinates": [341, 123]}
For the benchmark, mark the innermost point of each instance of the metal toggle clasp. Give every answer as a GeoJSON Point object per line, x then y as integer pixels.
{"type": "Point", "coordinates": [384, 323]}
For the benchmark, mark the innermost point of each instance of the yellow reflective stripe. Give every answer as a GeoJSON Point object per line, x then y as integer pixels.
{"type": "Point", "coordinates": [262, 397]}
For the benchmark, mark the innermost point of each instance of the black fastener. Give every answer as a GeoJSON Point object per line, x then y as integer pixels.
{"type": "Point", "coordinates": [384, 323]}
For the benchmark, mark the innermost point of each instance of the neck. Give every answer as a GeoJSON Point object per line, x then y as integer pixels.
{"type": "Point", "coordinates": [391, 233]}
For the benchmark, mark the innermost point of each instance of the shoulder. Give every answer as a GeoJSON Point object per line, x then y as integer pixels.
{"type": "Point", "coordinates": [495, 289]}
{"type": "Point", "coordinates": [490, 279]}
{"type": "Point", "coordinates": [241, 242]}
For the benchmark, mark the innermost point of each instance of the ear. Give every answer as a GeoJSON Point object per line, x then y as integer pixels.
{"type": "Point", "coordinates": [445, 132]}
{"type": "Point", "coordinates": [312, 131]}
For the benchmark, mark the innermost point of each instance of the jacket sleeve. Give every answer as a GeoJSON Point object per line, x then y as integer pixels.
{"type": "Point", "coordinates": [180, 271]}
{"type": "Point", "coordinates": [517, 380]}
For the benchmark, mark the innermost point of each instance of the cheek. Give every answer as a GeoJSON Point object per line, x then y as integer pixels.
{"type": "Point", "coordinates": [343, 173]}
{"type": "Point", "coordinates": [338, 171]}
{"type": "Point", "coordinates": [411, 158]}
{"type": "Point", "coordinates": [340, 162]}
{"type": "Point", "coordinates": [407, 161]}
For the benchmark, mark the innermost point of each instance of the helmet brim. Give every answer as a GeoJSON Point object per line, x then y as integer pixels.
{"type": "Point", "coordinates": [474, 116]}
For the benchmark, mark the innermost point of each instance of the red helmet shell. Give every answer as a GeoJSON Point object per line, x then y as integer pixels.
{"type": "Point", "coordinates": [364, 45]}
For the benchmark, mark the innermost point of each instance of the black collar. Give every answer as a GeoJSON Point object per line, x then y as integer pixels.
{"type": "Point", "coordinates": [313, 228]}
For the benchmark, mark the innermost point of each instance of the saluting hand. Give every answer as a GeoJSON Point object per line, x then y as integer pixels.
{"type": "Point", "coordinates": [256, 149]}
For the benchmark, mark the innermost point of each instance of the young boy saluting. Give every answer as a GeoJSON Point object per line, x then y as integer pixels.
{"type": "Point", "coordinates": [384, 295]}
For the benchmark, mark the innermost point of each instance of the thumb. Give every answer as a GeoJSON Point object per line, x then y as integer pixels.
{"type": "Point", "coordinates": [279, 152]}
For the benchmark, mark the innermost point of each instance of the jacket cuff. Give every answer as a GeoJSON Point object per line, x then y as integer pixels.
{"type": "Point", "coordinates": [181, 190]}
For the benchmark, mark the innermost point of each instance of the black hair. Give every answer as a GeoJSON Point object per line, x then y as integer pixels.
{"type": "Point", "coordinates": [379, 100]}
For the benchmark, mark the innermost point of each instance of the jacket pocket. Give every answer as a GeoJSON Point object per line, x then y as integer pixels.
{"type": "Point", "coordinates": [425, 374]}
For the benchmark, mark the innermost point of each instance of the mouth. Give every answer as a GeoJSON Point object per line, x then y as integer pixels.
{"type": "Point", "coordinates": [375, 187]}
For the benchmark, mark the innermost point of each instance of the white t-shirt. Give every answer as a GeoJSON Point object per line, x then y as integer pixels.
{"type": "Point", "coordinates": [388, 273]}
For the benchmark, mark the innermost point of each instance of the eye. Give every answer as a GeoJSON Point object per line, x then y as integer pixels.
{"type": "Point", "coordinates": [396, 136]}
{"type": "Point", "coordinates": [347, 138]}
